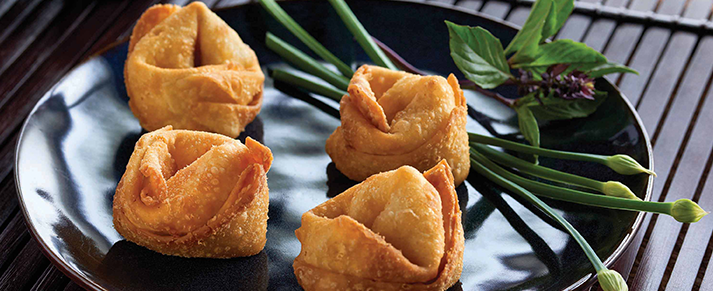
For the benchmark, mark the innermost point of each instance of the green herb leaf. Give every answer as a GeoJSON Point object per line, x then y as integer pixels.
{"type": "Point", "coordinates": [609, 68]}
{"type": "Point", "coordinates": [553, 108]}
{"type": "Point", "coordinates": [528, 125]}
{"type": "Point", "coordinates": [559, 12]}
{"type": "Point", "coordinates": [479, 55]}
{"type": "Point", "coordinates": [565, 51]}
{"type": "Point", "coordinates": [526, 42]}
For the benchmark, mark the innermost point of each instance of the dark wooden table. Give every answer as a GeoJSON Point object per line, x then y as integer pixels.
{"type": "Point", "coordinates": [669, 41]}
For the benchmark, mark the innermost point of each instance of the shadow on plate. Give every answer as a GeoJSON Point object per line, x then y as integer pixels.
{"type": "Point", "coordinates": [492, 199]}
{"type": "Point", "coordinates": [141, 268]}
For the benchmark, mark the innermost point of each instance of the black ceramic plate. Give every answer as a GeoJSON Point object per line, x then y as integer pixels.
{"type": "Point", "coordinates": [77, 141]}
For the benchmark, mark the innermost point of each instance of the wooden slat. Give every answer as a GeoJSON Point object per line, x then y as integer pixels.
{"type": "Point", "coordinates": [688, 260]}
{"type": "Point", "coordinates": [12, 239]}
{"type": "Point", "coordinates": [643, 5]}
{"type": "Point", "coordinates": [25, 269]}
{"type": "Point", "coordinates": [28, 61]}
{"type": "Point", "coordinates": [12, 19]}
{"type": "Point", "coordinates": [671, 7]}
{"type": "Point", "coordinates": [623, 40]}
{"type": "Point", "coordinates": [26, 33]}
{"type": "Point", "coordinates": [656, 94]}
{"type": "Point", "coordinates": [698, 9]}
{"type": "Point", "coordinates": [72, 49]}
{"type": "Point", "coordinates": [51, 279]}
{"type": "Point", "coordinates": [575, 27]}
{"type": "Point", "coordinates": [599, 33]}
{"type": "Point", "coordinates": [5, 6]}
{"type": "Point", "coordinates": [644, 59]}
{"type": "Point", "coordinates": [470, 4]}
{"type": "Point", "coordinates": [616, 3]}
{"type": "Point", "coordinates": [8, 202]}
{"type": "Point", "coordinates": [706, 280]}
{"type": "Point", "coordinates": [121, 28]}
{"type": "Point", "coordinates": [665, 157]}
{"type": "Point", "coordinates": [622, 44]}
{"type": "Point", "coordinates": [685, 179]}
{"type": "Point", "coordinates": [649, 48]}
{"type": "Point", "coordinates": [519, 15]}
{"type": "Point", "coordinates": [693, 247]}
{"type": "Point", "coordinates": [496, 9]}
{"type": "Point", "coordinates": [687, 91]}
{"type": "Point", "coordinates": [7, 156]}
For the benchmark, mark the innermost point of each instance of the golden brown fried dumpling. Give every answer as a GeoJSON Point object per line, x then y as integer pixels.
{"type": "Point", "coordinates": [398, 230]}
{"type": "Point", "coordinates": [194, 194]}
{"type": "Point", "coordinates": [187, 68]}
{"type": "Point", "coordinates": [391, 119]}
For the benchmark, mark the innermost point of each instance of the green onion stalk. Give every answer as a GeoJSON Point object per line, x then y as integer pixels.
{"type": "Point", "coordinates": [622, 164]}
{"type": "Point", "coordinates": [309, 85]}
{"type": "Point", "coordinates": [683, 210]}
{"type": "Point", "coordinates": [609, 279]}
{"type": "Point", "coordinates": [289, 23]}
{"type": "Point", "coordinates": [361, 35]}
{"type": "Point", "coordinates": [304, 62]}
{"type": "Point", "coordinates": [610, 188]}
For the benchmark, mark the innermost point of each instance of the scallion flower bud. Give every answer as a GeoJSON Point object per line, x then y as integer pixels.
{"type": "Point", "coordinates": [626, 165]}
{"type": "Point", "coordinates": [611, 280]}
{"type": "Point", "coordinates": [617, 189]}
{"type": "Point", "coordinates": [687, 211]}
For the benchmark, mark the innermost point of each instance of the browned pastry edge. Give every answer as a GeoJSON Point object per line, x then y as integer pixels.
{"type": "Point", "coordinates": [316, 279]}
{"type": "Point", "coordinates": [359, 165]}
{"type": "Point", "coordinates": [248, 200]}
{"type": "Point", "coordinates": [239, 115]}
{"type": "Point", "coordinates": [198, 243]}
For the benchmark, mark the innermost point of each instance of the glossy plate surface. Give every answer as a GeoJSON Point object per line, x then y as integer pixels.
{"type": "Point", "coordinates": [76, 143]}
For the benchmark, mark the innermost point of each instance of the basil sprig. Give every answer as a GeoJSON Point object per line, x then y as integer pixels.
{"type": "Point", "coordinates": [556, 78]}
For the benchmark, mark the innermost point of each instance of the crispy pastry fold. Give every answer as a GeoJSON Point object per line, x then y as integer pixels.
{"type": "Point", "coordinates": [398, 230]}
{"type": "Point", "coordinates": [187, 68]}
{"type": "Point", "coordinates": [194, 194]}
{"type": "Point", "coordinates": [391, 119]}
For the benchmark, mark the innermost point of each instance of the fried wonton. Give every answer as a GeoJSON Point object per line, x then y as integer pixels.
{"type": "Point", "coordinates": [391, 119]}
{"type": "Point", "coordinates": [194, 194]}
{"type": "Point", "coordinates": [187, 68]}
{"type": "Point", "coordinates": [398, 230]}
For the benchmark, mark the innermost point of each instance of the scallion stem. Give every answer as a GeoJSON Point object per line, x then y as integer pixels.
{"type": "Point", "coordinates": [622, 164]}
{"type": "Point", "coordinates": [309, 85]}
{"type": "Point", "coordinates": [575, 196]}
{"type": "Point", "coordinates": [477, 160]}
{"type": "Point", "coordinates": [289, 23]}
{"type": "Point", "coordinates": [361, 35]}
{"type": "Point", "coordinates": [537, 170]}
{"type": "Point", "coordinates": [305, 62]}
{"type": "Point", "coordinates": [527, 149]}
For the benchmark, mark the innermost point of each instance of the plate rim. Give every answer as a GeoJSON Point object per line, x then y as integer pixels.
{"type": "Point", "coordinates": [81, 278]}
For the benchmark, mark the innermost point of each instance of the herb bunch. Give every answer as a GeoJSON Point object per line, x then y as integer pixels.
{"type": "Point", "coordinates": [556, 80]}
